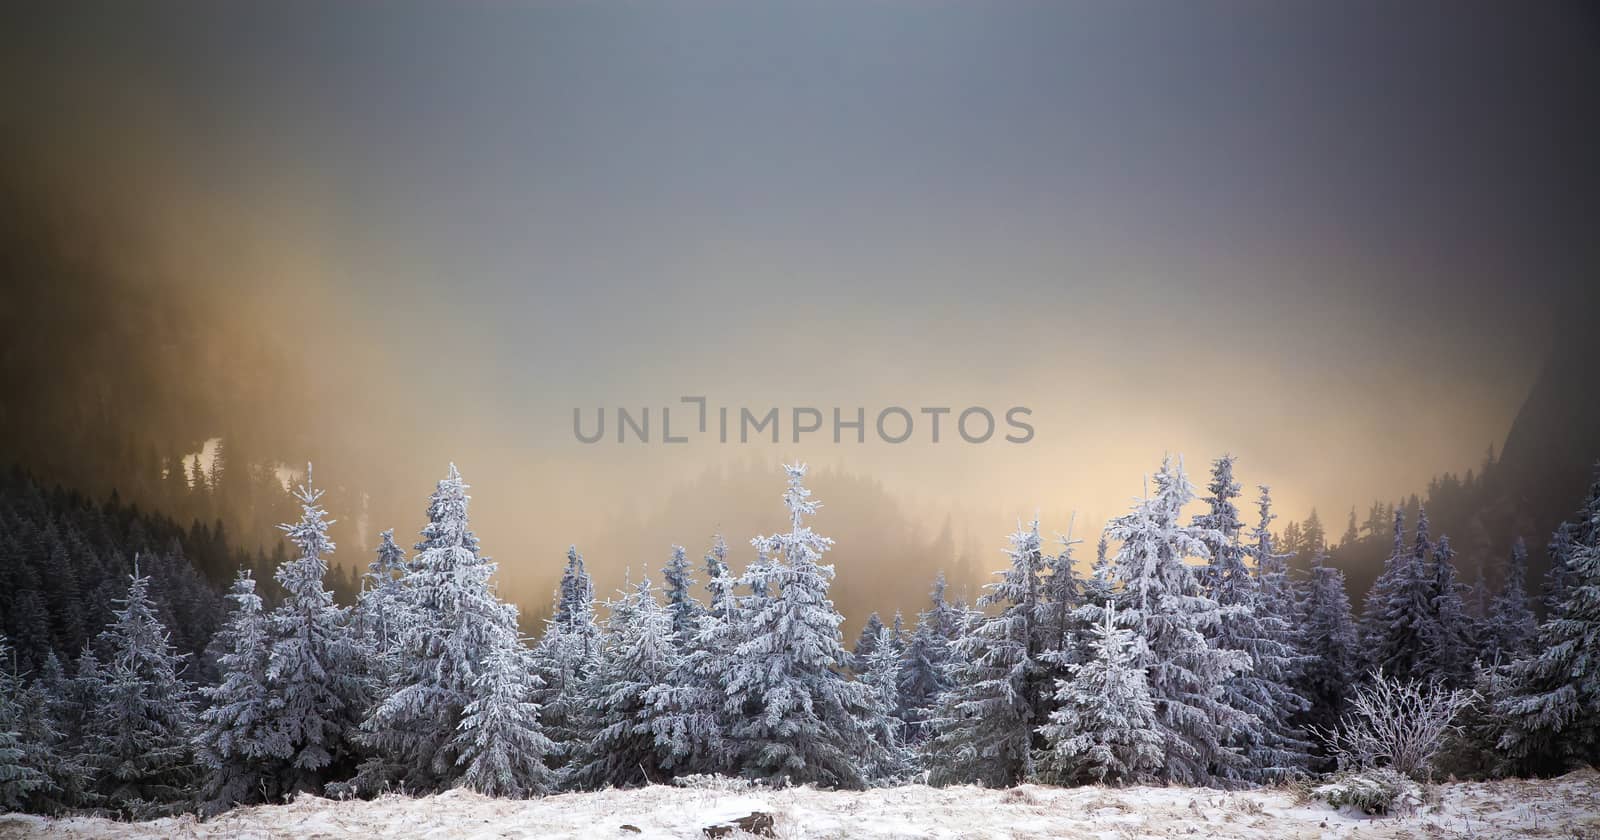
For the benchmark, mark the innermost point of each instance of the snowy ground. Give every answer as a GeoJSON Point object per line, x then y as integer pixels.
{"type": "Point", "coordinates": [1568, 807]}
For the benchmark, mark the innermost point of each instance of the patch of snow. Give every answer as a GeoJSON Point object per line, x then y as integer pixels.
{"type": "Point", "coordinates": [1554, 808]}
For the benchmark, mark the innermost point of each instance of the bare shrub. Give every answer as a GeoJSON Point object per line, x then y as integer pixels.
{"type": "Point", "coordinates": [1398, 724]}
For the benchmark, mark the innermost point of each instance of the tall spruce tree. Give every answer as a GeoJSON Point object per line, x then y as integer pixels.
{"type": "Point", "coordinates": [681, 603]}
{"type": "Point", "coordinates": [136, 743]}
{"type": "Point", "coordinates": [1104, 729]}
{"type": "Point", "coordinates": [456, 622]}
{"type": "Point", "coordinates": [1160, 598]}
{"type": "Point", "coordinates": [239, 746]}
{"type": "Point", "coordinates": [501, 747]}
{"type": "Point", "coordinates": [1550, 703]}
{"type": "Point", "coordinates": [800, 719]}
{"type": "Point", "coordinates": [1510, 627]}
{"type": "Point", "coordinates": [315, 666]}
{"type": "Point", "coordinates": [984, 729]}
{"type": "Point", "coordinates": [637, 654]}
{"type": "Point", "coordinates": [1399, 607]}
{"type": "Point", "coordinates": [1331, 646]}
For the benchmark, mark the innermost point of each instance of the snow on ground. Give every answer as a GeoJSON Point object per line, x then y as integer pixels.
{"type": "Point", "coordinates": [1567, 807]}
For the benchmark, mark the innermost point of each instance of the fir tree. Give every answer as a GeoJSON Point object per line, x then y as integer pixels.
{"type": "Point", "coordinates": [1446, 637]}
{"type": "Point", "coordinates": [1399, 607]}
{"type": "Point", "coordinates": [1104, 729]}
{"type": "Point", "coordinates": [799, 719]}
{"type": "Point", "coordinates": [137, 738]}
{"type": "Point", "coordinates": [681, 604]}
{"type": "Point", "coordinates": [1551, 699]}
{"type": "Point", "coordinates": [924, 667]}
{"type": "Point", "coordinates": [455, 622]}
{"type": "Point", "coordinates": [866, 643]}
{"type": "Point", "coordinates": [637, 654]}
{"type": "Point", "coordinates": [564, 658]}
{"type": "Point", "coordinates": [1163, 604]}
{"type": "Point", "coordinates": [500, 745]}
{"type": "Point", "coordinates": [315, 666]}
{"type": "Point", "coordinates": [238, 745]}
{"type": "Point", "coordinates": [1510, 627]}
{"type": "Point", "coordinates": [21, 777]}
{"type": "Point", "coordinates": [984, 728]}
{"type": "Point", "coordinates": [1330, 645]}
{"type": "Point", "coordinates": [882, 681]}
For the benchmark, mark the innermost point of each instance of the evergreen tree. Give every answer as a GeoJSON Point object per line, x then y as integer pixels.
{"type": "Point", "coordinates": [1160, 597]}
{"type": "Point", "coordinates": [984, 728]}
{"type": "Point", "coordinates": [882, 681]}
{"type": "Point", "coordinates": [1329, 637]}
{"type": "Point", "coordinates": [501, 748]}
{"type": "Point", "coordinates": [238, 745]}
{"type": "Point", "coordinates": [924, 670]}
{"type": "Point", "coordinates": [136, 742]}
{"type": "Point", "coordinates": [21, 777]}
{"type": "Point", "coordinates": [1551, 699]}
{"type": "Point", "coordinates": [1510, 627]}
{"type": "Point", "coordinates": [1062, 636]}
{"type": "Point", "coordinates": [455, 622]}
{"type": "Point", "coordinates": [799, 719]}
{"type": "Point", "coordinates": [866, 643]}
{"type": "Point", "coordinates": [1399, 607]}
{"type": "Point", "coordinates": [637, 654]}
{"type": "Point", "coordinates": [1446, 636]}
{"type": "Point", "coordinates": [1104, 729]}
{"type": "Point", "coordinates": [564, 658]}
{"type": "Point", "coordinates": [1273, 749]}
{"type": "Point", "coordinates": [380, 610]}
{"type": "Point", "coordinates": [315, 665]}
{"type": "Point", "coordinates": [681, 604]}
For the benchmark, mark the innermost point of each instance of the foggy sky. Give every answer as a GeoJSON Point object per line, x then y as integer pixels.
{"type": "Point", "coordinates": [1329, 238]}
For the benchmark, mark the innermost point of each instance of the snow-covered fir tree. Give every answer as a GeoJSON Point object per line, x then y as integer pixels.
{"type": "Point", "coordinates": [381, 611]}
{"type": "Point", "coordinates": [800, 720]}
{"type": "Point", "coordinates": [637, 653]}
{"type": "Point", "coordinates": [719, 581]}
{"type": "Point", "coordinates": [866, 643]}
{"type": "Point", "coordinates": [1160, 598]}
{"type": "Point", "coordinates": [455, 622]}
{"type": "Point", "coordinates": [1447, 636]}
{"type": "Point", "coordinates": [678, 578]}
{"type": "Point", "coordinates": [136, 742]}
{"type": "Point", "coordinates": [1510, 628]}
{"type": "Point", "coordinates": [882, 680]}
{"type": "Point", "coordinates": [984, 728]}
{"type": "Point", "coordinates": [1399, 607]}
{"type": "Point", "coordinates": [21, 777]}
{"type": "Point", "coordinates": [1329, 635]}
{"type": "Point", "coordinates": [500, 744]}
{"type": "Point", "coordinates": [315, 665]}
{"type": "Point", "coordinates": [925, 665]}
{"type": "Point", "coordinates": [1063, 637]}
{"type": "Point", "coordinates": [563, 659]}
{"type": "Point", "coordinates": [1273, 749]}
{"type": "Point", "coordinates": [1104, 729]}
{"type": "Point", "coordinates": [1550, 702]}
{"type": "Point", "coordinates": [239, 746]}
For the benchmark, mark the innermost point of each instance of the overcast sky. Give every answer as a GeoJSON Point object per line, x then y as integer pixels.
{"type": "Point", "coordinates": [1331, 238]}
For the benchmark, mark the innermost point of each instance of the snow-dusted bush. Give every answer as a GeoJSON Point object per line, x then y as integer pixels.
{"type": "Point", "coordinates": [1396, 724]}
{"type": "Point", "coordinates": [1378, 791]}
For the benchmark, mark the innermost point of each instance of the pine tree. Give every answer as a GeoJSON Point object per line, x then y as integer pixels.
{"type": "Point", "coordinates": [21, 777]}
{"type": "Point", "coordinates": [1330, 645]}
{"type": "Point", "coordinates": [924, 667]}
{"type": "Point", "coordinates": [1162, 603]}
{"type": "Point", "coordinates": [637, 654]}
{"type": "Point", "coordinates": [238, 745]}
{"type": "Point", "coordinates": [1551, 700]}
{"type": "Point", "coordinates": [137, 736]}
{"type": "Point", "coordinates": [500, 745]}
{"type": "Point", "coordinates": [1510, 627]}
{"type": "Point", "coordinates": [315, 665]}
{"type": "Point", "coordinates": [380, 611]}
{"type": "Point", "coordinates": [882, 680]}
{"type": "Point", "coordinates": [984, 729]}
{"type": "Point", "coordinates": [690, 710]}
{"type": "Point", "coordinates": [455, 622]}
{"type": "Point", "coordinates": [681, 604]}
{"type": "Point", "coordinates": [1399, 607]}
{"type": "Point", "coordinates": [800, 720]}
{"type": "Point", "coordinates": [1104, 729]}
{"type": "Point", "coordinates": [866, 643]}
{"type": "Point", "coordinates": [564, 658]}
{"type": "Point", "coordinates": [1273, 749]}
{"type": "Point", "coordinates": [1446, 637]}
